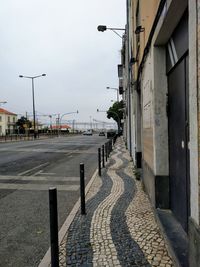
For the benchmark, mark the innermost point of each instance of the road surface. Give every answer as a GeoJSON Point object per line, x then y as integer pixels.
{"type": "Point", "coordinates": [27, 170]}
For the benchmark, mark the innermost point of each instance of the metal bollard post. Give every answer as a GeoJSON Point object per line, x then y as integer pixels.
{"type": "Point", "coordinates": [53, 227]}
{"type": "Point", "coordinates": [108, 148]}
{"type": "Point", "coordinates": [99, 160]}
{"type": "Point", "coordinates": [103, 157]}
{"type": "Point", "coordinates": [82, 188]}
{"type": "Point", "coordinates": [106, 151]}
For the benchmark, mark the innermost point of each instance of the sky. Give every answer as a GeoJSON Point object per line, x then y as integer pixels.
{"type": "Point", "coordinates": [60, 38]}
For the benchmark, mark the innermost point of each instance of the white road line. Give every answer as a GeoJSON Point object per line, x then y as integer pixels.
{"type": "Point", "coordinates": [76, 151]}
{"type": "Point", "coordinates": [38, 187]}
{"type": "Point", "coordinates": [40, 178]}
{"type": "Point", "coordinates": [35, 168]}
{"type": "Point", "coordinates": [48, 173]}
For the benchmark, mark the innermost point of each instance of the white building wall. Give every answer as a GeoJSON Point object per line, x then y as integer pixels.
{"type": "Point", "coordinates": [194, 191]}
{"type": "Point", "coordinates": [3, 123]}
{"type": "Point", "coordinates": [147, 112]}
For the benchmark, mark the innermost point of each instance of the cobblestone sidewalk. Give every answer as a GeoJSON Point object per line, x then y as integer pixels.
{"type": "Point", "coordinates": [119, 228]}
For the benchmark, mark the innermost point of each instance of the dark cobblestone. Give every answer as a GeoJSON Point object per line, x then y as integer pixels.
{"type": "Point", "coordinates": [78, 240]}
{"type": "Point", "coordinates": [119, 228]}
{"type": "Point", "coordinates": [132, 254]}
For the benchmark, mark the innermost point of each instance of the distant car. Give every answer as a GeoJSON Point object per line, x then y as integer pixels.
{"type": "Point", "coordinates": [101, 134]}
{"type": "Point", "coordinates": [89, 132]}
{"type": "Point", "coordinates": [111, 134]}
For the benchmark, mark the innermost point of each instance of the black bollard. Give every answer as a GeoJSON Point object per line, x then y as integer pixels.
{"type": "Point", "coordinates": [82, 188]}
{"type": "Point", "coordinates": [103, 157]}
{"type": "Point", "coordinates": [111, 145]}
{"type": "Point", "coordinates": [99, 160]}
{"type": "Point", "coordinates": [106, 151]}
{"type": "Point", "coordinates": [109, 150]}
{"type": "Point", "coordinates": [53, 227]}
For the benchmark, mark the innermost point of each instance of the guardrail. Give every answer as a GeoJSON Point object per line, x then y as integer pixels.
{"type": "Point", "coordinates": [29, 137]}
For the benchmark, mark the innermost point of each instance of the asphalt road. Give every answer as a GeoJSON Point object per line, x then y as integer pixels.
{"type": "Point", "coordinates": [27, 170]}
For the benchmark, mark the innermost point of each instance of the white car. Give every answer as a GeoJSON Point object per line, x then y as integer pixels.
{"type": "Point", "coordinates": [88, 132]}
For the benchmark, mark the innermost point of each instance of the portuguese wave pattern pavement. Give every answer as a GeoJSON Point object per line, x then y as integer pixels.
{"type": "Point", "coordinates": [119, 228]}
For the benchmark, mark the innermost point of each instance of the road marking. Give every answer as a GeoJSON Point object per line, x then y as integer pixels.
{"type": "Point", "coordinates": [63, 151]}
{"type": "Point", "coordinates": [40, 178]}
{"type": "Point", "coordinates": [35, 168]}
{"type": "Point", "coordinates": [47, 173]}
{"type": "Point", "coordinates": [46, 261]}
{"type": "Point", "coordinates": [39, 187]}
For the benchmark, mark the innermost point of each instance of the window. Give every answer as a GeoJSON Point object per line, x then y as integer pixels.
{"type": "Point", "coordinates": [0, 118]}
{"type": "Point", "coordinates": [13, 119]}
{"type": "Point", "coordinates": [8, 119]}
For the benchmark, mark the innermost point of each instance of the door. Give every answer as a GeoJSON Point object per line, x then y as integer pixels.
{"type": "Point", "coordinates": [178, 141]}
{"type": "Point", "coordinates": [178, 121]}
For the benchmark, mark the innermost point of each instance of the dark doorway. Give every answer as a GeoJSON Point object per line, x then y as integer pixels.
{"type": "Point", "coordinates": [178, 121]}
{"type": "Point", "coordinates": [178, 142]}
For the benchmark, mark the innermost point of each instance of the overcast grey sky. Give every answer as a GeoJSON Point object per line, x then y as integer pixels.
{"type": "Point", "coordinates": [60, 38]}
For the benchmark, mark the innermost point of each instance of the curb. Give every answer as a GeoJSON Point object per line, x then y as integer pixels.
{"type": "Point", "coordinates": [46, 261]}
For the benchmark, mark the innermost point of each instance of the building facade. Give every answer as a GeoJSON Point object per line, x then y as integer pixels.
{"type": "Point", "coordinates": [7, 122]}
{"type": "Point", "coordinates": [161, 71]}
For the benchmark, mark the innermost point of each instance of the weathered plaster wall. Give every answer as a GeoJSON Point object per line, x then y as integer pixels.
{"type": "Point", "coordinates": [147, 113]}
{"type": "Point", "coordinates": [160, 89]}
{"type": "Point", "coordinates": [198, 90]}
{"type": "Point", "coordinates": [194, 202]}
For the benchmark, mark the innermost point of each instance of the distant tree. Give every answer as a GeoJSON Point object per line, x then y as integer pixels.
{"type": "Point", "coordinates": [116, 112]}
{"type": "Point", "coordinates": [23, 123]}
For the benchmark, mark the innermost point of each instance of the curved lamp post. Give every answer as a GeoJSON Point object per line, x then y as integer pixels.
{"type": "Point", "coordinates": [3, 102]}
{"type": "Point", "coordinates": [116, 89]}
{"type": "Point", "coordinates": [64, 115]}
{"type": "Point", "coordinates": [32, 78]}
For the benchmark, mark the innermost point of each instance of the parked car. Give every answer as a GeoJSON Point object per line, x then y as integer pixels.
{"type": "Point", "coordinates": [88, 132]}
{"type": "Point", "coordinates": [101, 134]}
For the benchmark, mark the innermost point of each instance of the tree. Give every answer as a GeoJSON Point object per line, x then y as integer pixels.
{"type": "Point", "coordinates": [23, 123]}
{"type": "Point", "coordinates": [116, 112]}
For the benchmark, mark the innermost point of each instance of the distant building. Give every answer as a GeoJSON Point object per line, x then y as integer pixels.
{"type": "Point", "coordinates": [63, 127]}
{"type": "Point", "coordinates": [7, 122]}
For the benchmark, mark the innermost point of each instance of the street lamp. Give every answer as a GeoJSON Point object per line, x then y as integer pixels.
{"type": "Point", "coordinates": [60, 119]}
{"type": "Point", "coordinates": [117, 89]}
{"type": "Point", "coordinates": [103, 28]}
{"type": "Point", "coordinates": [3, 102]}
{"type": "Point", "coordinates": [33, 77]}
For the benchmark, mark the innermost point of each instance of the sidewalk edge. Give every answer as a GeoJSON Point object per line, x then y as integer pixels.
{"type": "Point", "coordinates": [46, 261]}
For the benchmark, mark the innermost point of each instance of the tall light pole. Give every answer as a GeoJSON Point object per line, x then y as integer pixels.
{"type": "Point", "coordinates": [32, 78]}
{"type": "Point", "coordinates": [60, 118]}
{"type": "Point", "coordinates": [116, 89]}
